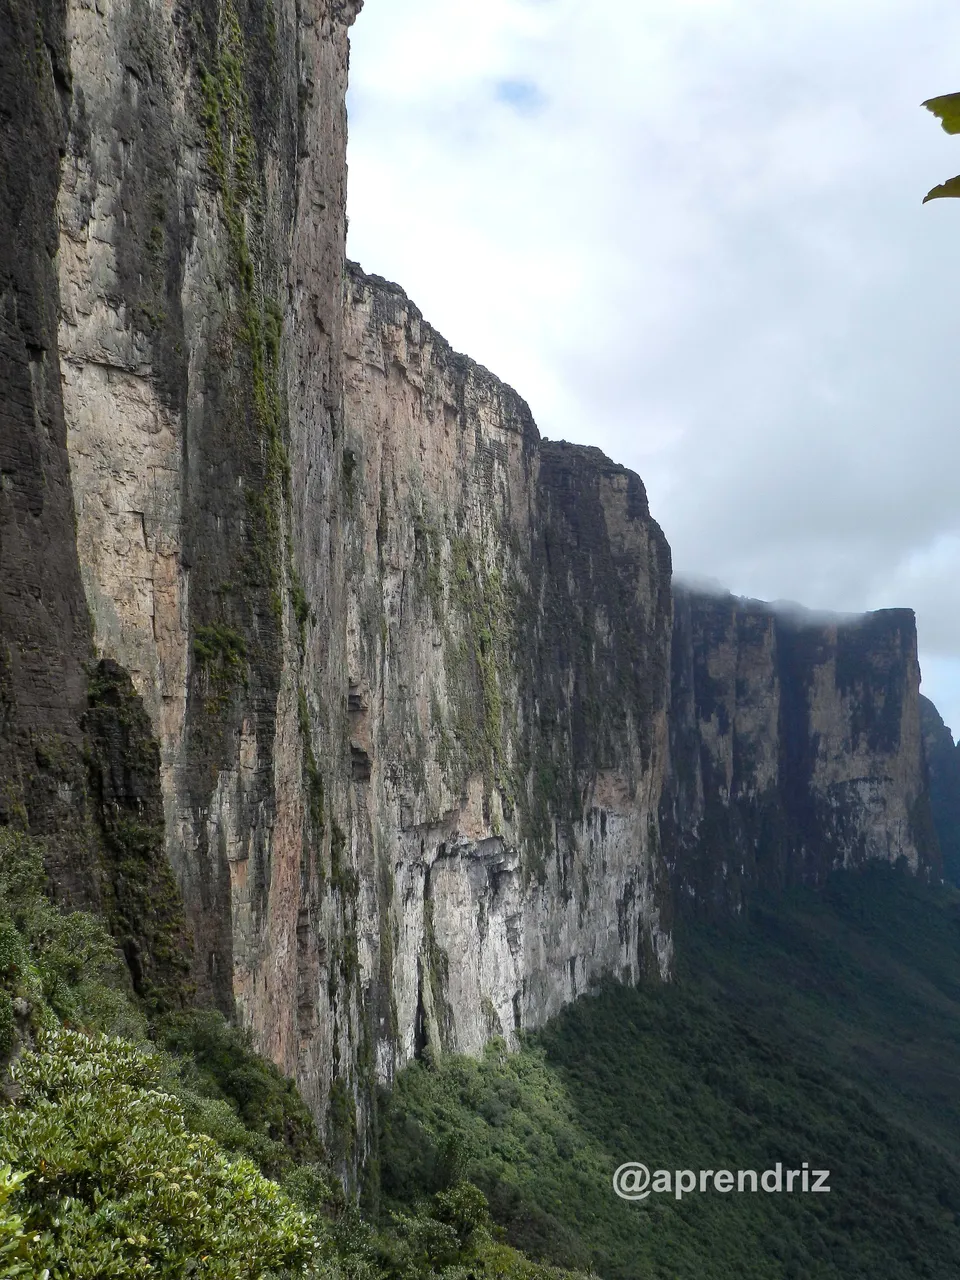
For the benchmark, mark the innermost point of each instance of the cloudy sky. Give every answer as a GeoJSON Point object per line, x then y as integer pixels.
{"type": "Point", "coordinates": [690, 232]}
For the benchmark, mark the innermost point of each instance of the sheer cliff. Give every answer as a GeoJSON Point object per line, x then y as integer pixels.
{"type": "Point", "coordinates": [196, 249]}
{"type": "Point", "coordinates": [403, 667]}
{"type": "Point", "coordinates": [795, 746]}
{"type": "Point", "coordinates": [343, 695]}
{"type": "Point", "coordinates": [77, 756]}
{"type": "Point", "coordinates": [508, 651]}
{"type": "Point", "coordinates": [44, 630]}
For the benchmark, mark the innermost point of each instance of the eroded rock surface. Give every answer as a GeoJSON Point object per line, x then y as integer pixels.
{"type": "Point", "coordinates": [200, 261]}
{"type": "Point", "coordinates": [943, 761]}
{"type": "Point", "coordinates": [509, 624]}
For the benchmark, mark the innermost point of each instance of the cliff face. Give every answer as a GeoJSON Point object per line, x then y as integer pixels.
{"type": "Point", "coordinates": [405, 666]}
{"type": "Point", "coordinates": [943, 761]}
{"type": "Point", "coordinates": [77, 762]}
{"type": "Point", "coordinates": [343, 695]}
{"type": "Point", "coordinates": [199, 264]}
{"type": "Point", "coordinates": [508, 650]}
{"type": "Point", "coordinates": [44, 630]}
{"type": "Point", "coordinates": [795, 748]}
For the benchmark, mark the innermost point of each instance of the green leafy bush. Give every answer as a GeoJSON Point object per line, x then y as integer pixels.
{"type": "Point", "coordinates": [117, 1185]}
{"type": "Point", "coordinates": [14, 1241]}
{"type": "Point", "coordinates": [231, 1093]}
{"type": "Point", "coordinates": [451, 1236]}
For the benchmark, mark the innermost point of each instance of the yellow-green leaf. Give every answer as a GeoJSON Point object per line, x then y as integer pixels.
{"type": "Point", "coordinates": [947, 110]}
{"type": "Point", "coordinates": [950, 188]}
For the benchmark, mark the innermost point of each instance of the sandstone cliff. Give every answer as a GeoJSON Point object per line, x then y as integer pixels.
{"type": "Point", "coordinates": [508, 649]}
{"type": "Point", "coordinates": [341, 693]}
{"type": "Point", "coordinates": [77, 759]}
{"type": "Point", "coordinates": [198, 267]}
{"type": "Point", "coordinates": [405, 666]}
{"type": "Point", "coordinates": [795, 747]}
{"type": "Point", "coordinates": [44, 630]}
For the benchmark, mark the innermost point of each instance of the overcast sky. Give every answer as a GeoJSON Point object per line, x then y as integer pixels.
{"type": "Point", "coordinates": [690, 232]}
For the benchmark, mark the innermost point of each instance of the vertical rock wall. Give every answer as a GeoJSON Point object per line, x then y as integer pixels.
{"type": "Point", "coordinates": [943, 761]}
{"type": "Point", "coordinates": [77, 754]}
{"type": "Point", "coordinates": [296, 604]}
{"type": "Point", "coordinates": [44, 628]}
{"type": "Point", "coordinates": [509, 625]}
{"type": "Point", "coordinates": [795, 747]}
{"type": "Point", "coordinates": [200, 266]}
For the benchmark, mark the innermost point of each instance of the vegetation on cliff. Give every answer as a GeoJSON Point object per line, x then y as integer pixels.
{"type": "Point", "coordinates": [825, 1028]}
{"type": "Point", "coordinates": [166, 1147]}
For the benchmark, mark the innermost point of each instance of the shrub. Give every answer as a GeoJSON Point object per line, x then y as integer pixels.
{"type": "Point", "coordinates": [118, 1186]}
{"type": "Point", "coordinates": [451, 1236]}
{"type": "Point", "coordinates": [239, 1098]}
{"type": "Point", "coordinates": [14, 1241]}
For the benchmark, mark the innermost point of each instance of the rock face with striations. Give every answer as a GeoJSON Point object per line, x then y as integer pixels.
{"type": "Point", "coordinates": [405, 666]}
{"type": "Point", "coordinates": [199, 266]}
{"type": "Point", "coordinates": [44, 630]}
{"type": "Point", "coordinates": [508, 651]}
{"type": "Point", "coordinates": [77, 756]}
{"type": "Point", "coordinates": [795, 747]}
{"type": "Point", "coordinates": [301, 617]}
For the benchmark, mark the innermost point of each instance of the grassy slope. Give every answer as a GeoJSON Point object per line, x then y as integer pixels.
{"type": "Point", "coordinates": [826, 1029]}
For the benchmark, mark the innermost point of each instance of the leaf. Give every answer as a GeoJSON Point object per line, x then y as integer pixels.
{"type": "Point", "coordinates": [949, 188]}
{"type": "Point", "coordinates": [947, 110]}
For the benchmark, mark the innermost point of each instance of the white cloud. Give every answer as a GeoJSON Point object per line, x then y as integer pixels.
{"type": "Point", "coordinates": [690, 232]}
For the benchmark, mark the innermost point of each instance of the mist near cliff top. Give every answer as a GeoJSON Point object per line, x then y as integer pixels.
{"type": "Point", "coordinates": [691, 233]}
{"type": "Point", "coordinates": [789, 610]}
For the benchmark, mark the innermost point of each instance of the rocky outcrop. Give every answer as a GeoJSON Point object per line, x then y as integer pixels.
{"type": "Point", "coordinates": [795, 748]}
{"type": "Point", "coordinates": [508, 650]}
{"type": "Point", "coordinates": [943, 762]}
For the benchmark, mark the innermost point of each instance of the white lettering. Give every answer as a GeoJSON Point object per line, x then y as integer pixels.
{"type": "Point", "coordinates": [681, 1185]}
